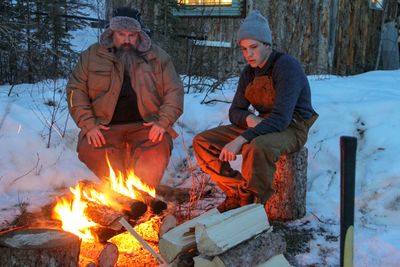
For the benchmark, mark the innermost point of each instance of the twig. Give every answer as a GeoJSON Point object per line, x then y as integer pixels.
{"type": "Point", "coordinates": [216, 100]}
{"type": "Point", "coordinates": [321, 221]}
{"type": "Point", "coordinates": [31, 170]}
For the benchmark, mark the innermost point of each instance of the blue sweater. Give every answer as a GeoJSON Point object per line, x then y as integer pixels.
{"type": "Point", "coordinates": [292, 95]}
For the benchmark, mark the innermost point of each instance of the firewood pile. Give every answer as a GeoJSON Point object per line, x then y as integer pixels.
{"type": "Point", "coordinates": [240, 237]}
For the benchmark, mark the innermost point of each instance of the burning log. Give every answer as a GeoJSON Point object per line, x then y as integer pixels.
{"type": "Point", "coordinates": [135, 205]}
{"type": "Point", "coordinates": [100, 254]}
{"type": "Point", "coordinates": [103, 215]}
{"type": "Point", "coordinates": [103, 234]}
{"type": "Point", "coordinates": [39, 247]}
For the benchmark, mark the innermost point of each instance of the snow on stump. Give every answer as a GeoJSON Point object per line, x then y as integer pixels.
{"type": "Point", "coordinates": [290, 186]}
{"type": "Point", "coordinates": [39, 247]}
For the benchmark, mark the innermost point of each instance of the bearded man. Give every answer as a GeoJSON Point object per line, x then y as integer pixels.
{"type": "Point", "coordinates": [125, 95]}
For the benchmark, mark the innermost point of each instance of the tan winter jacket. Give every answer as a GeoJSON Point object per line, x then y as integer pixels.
{"type": "Point", "coordinates": [95, 84]}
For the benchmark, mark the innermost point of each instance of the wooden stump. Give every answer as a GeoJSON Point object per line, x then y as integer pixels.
{"type": "Point", "coordinates": [290, 185]}
{"type": "Point", "coordinates": [39, 247]}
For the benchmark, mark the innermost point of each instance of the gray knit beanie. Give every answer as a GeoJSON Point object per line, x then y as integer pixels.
{"type": "Point", "coordinates": [255, 26]}
{"type": "Point", "coordinates": [123, 21]}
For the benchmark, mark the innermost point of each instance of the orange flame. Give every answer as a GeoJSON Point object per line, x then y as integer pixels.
{"type": "Point", "coordinates": [72, 212]}
{"type": "Point", "coordinates": [127, 186]}
{"type": "Point", "coordinates": [72, 215]}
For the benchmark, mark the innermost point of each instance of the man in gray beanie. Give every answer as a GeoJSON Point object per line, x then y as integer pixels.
{"type": "Point", "coordinates": [275, 85]}
{"type": "Point", "coordinates": [125, 96]}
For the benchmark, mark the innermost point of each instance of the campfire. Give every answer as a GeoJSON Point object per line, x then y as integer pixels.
{"type": "Point", "coordinates": [98, 213]}
{"type": "Point", "coordinates": [117, 195]}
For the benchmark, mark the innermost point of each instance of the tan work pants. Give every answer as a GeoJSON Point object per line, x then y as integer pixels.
{"type": "Point", "coordinates": [259, 157]}
{"type": "Point", "coordinates": [128, 148]}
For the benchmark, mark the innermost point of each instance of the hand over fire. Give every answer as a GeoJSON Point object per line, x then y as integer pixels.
{"type": "Point", "coordinates": [156, 133]}
{"type": "Point", "coordinates": [231, 149]}
{"type": "Point", "coordinates": [95, 137]}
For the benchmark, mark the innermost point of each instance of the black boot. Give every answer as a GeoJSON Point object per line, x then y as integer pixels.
{"type": "Point", "coordinates": [230, 202]}
{"type": "Point", "coordinates": [245, 197]}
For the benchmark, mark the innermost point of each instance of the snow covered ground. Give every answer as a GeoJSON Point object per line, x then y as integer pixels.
{"type": "Point", "coordinates": [364, 106]}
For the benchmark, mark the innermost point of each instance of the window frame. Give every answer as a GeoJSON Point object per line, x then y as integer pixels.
{"type": "Point", "coordinates": [236, 9]}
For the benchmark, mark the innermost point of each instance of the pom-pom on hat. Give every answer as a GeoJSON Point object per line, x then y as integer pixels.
{"type": "Point", "coordinates": [255, 26]}
{"type": "Point", "coordinates": [126, 19]}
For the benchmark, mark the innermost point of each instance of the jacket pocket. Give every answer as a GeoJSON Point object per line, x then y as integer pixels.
{"type": "Point", "coordinates": [99, 80]}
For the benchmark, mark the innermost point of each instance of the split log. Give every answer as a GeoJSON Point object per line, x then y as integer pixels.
{"type": "Point", "coordinates": [39, 247]}
{"type": "Point", "coordinates": [101, 254]}
{"type": "Point", "coordinates": [133, 208]}
{"type": "Point", "coordinates": [277, 260]}
{"type": "Point", "coordinates": [231, 228]}
{"type": "Point", "coordinates": [167, 223]}
{"type": "Point", "coordinates": [181, 238]}
{"type": "Point", "coordinates": [256, 250]}
{"type": "Point", "coordinates": [290, 186]}
{"type": "Point", "coordinates": [203, 261]}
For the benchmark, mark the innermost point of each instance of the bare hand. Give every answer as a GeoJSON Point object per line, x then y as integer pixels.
{"type": "Point", "coordinates": [156, 133]}
{"type": "Point", "coordinates": [95, 137]}
{"type": "Point", "coordinates": [253, 120]}
{"type": "Point", "coordinates": [231, 149]}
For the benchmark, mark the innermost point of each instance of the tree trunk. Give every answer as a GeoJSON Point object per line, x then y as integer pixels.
{"type": "Point", "coordinates": [39, 247]}
{"type": "Point", "coordinates": [290, 185]}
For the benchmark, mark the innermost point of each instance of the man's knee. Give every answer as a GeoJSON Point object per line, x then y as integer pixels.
{"type": "Point", "coordinates": [86, 151]}
{"type": "Point", "coordinates": [198, 141]}
{"type": "Point", "coordinates": [262, 147]}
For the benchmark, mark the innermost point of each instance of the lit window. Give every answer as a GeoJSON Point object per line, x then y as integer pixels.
{"type": "Point", "coordinates": [210, 8]}
{"type": "Point", "coordinates": [377, 4]}
{"type": "Point", "coordinates": [205, 2]}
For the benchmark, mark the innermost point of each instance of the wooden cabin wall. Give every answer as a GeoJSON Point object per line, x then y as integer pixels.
{"type": "Point", "coordinates": [302, 29]}
{"type": "Point", "coordinates": [358, 35]}
{"type": "Point", "coordinates": [327, 36]}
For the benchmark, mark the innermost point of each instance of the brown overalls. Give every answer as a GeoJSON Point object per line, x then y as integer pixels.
{"type": "Point", "coordinates": [259, 156]}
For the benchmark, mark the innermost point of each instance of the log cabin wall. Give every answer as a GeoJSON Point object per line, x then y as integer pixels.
{"type": "Point", "coordinates": [328, 36]}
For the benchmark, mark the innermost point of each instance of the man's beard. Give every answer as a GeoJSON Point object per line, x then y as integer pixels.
{"type": "Point", "coordinates": [126, 55]}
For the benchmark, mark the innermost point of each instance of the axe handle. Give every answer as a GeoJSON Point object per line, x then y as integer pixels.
{"type": "Point", "coordinates": [143, 242]}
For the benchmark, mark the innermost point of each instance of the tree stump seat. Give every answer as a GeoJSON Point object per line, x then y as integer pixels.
{"type": "Point", "coordinates": [290, 186]}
